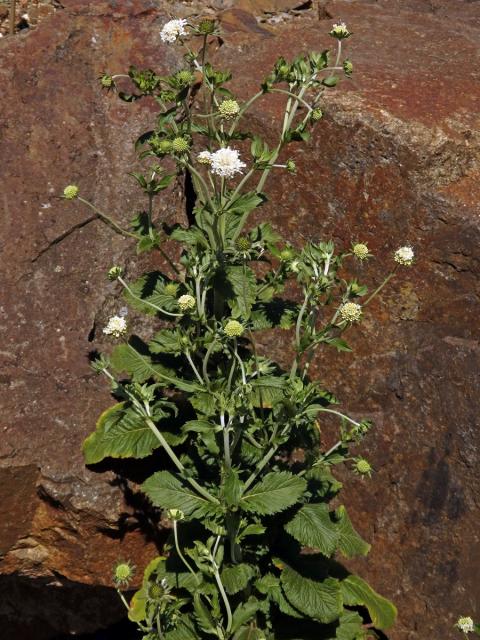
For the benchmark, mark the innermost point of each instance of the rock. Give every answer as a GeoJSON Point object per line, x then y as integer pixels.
{"type": "Point", "coordinates": [394, 161]}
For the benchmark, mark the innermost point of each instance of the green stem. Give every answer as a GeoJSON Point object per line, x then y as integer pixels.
{"type": "Point", "coordinates": [180, 554]}
{"type": "Point", "coordinates": [108, 220]}
{"type": "Point", "coordinates": [224, 596]}
{"type": "Point", "coordinates": [293, 95]}
{"type": "Point", "coordinates": [149, 304]}
{"type": "Point", "coordinates": [194, 368]}
{"type": "Point", "coordinates": [338, 413]}
{"type": "Point", "coordinates": [226, 441]}
{"type": "Point", "coordinates": [378, 289]}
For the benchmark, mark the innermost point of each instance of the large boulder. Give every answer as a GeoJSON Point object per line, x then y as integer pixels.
{"type": "Point", "coordinates": [394, 161]}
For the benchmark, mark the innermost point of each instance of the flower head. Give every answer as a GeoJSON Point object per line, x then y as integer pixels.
{"type": "Point", "coordinates": [363, 467]}
{"type": "Point", "coordinates": [229, 109]}
{"type": "Point", "coordinates": [186, 302]}
{"type": "Point", "coordinates": [171, 289]}
{"type": "Point", "coordinates": [116, 327]}
{"type": "Point", "coordinates": [317, 114]}
{"type": "Point", "coordinates": [123, 573]}
{"type": "Point", "coordinates": [233, 329]}
{"type": "Point", "coordinates": [348, 67]}
{"type": "Point", "coordinates": [465, 624]}
{"type": "Point", "coordinates": [290, 166]}
{"type": "Point", "coordinates": [243, 244]}
{"type": "Point", "coordinates": [404, 255]}
{"type": "Point", "coordinates": [204, 157]}
{"type": "Point", "coordinates": [114, 272]}
{"type": "Point", "coordinates": [180, 145]}
{"type": "Point", "coordinates": [340, 31]}
{"type": "Point", "coordinates": [351, 312]}
{"type": "Point", "coordinates": [173, 30]}
{"type": "Point", "coordinates": [175, 514]}
{"type": "Point", "coordinates": [70, 192]}
{"type": "Point", "coordinates": [360, 251]}
{"type": "Point", "coordinates": [184, 77]}
{"type": "Point", "coordinates": [206, 26]}
{"type": "Point", "coordinates": [226, 162]}
{"type": "Point", "coordinates": [106, 81]}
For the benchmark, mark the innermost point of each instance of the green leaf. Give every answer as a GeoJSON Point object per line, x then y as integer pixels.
{"type": "Point", "coordinates": [338, 343]}
{"type": "Point", "coordinates": [150, 288]}
{"type": "Point", "coordinates": [277, 491]}
{"type": "Point", "coordinates": [202, 615]}
{"type": "Point", "coordinates": [357, 592]}
{"type": "Point", "coordinates": [236, 577]}
{"type": "Point", "coordinates": [232, 488]}
{"type": "Point", "coordinates": [120, 433]}
{"type": "Point", "coordinates": [244, 612]}
{"type": "Point", "coordinates": [350, 627]}
{"type": "Point", "coordinates": [267, 390]}
{"type": "Point", "coordinates": [166, 341]}
{"type": "Point", "coordinates": [313, 527]}
{"type": "Point", "coordinates": [244, 285]}
{"type": "Point", "coordinates": [318, 600]}
{"type": "Point", "coordinates": [349, 541]}
{"type": "Point", "coordinates": [185, 630]}
{"type": "Point", "coordinates": [168, 492]}
{"type": "Point", "coordinates": [137, 608]}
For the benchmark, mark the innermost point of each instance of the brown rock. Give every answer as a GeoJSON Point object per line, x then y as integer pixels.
{"type": "Point", "coordinates": [394, 161]}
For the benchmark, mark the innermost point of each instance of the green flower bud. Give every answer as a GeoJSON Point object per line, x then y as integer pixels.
{"type": "Point", "coordinates": [114, 273]}
{"type": "Point", "coordinates": [206, 27]}
{"type": "Point", "coordinates": [348, 67]}
{"type": "Point", "coordinates": [171, 289]}
{"type": "Point", "coordinates": [186, 302]}
{"type": "Point", "coordinates": [291, 166]}
{"type": "Point", "coordinates": [243, 243]}
{"type": "Point", "coordinates": [180, 145]}
{"type": "Point", "coordinates": [70, 192]}
{"type": "Point", "coordinates": [360, 251]}
{"type": "Point", "coordinates": [175, 514]}
{"type": "Point", "coordinates": [106, 81]}
{"type": "Point", "coordinates": [363, 467]}
{"type": "Point", "coordinates": [155, 591]}
{"type": "Point", "coordinates": [123, 573]}
{"type": "Point", "coordinates": [316, 115]}
{"type": "Point", "coordinates": [229, 109]}
{"type": "Point", "coordinates": [286, 254]}
{"type": "Point", "coordinates": [184, 77]}
{"type": "Point", "coordinates": [233, 329]}
{"type": "Point", "coordinates": [283, 70]}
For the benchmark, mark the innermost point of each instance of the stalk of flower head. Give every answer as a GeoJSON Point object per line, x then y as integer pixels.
{"type": "Point", "coordinates": [203, 388]}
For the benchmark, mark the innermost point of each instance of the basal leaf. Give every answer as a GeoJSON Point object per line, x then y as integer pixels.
{"type": "Point", "coordinates": [236, 577]}
{"type": "Point", "coordinates": [168, 492]}
{"type": "Point", "coordinates": [313, 527]}
{"type": "Point", "coordinates": [349, 541]}
{"type": "Point", "coordinates": [358, 592]}
{"type": "Point", "coordinates": [320, 600]}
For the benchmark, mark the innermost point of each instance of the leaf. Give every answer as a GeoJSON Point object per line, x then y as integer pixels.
{"type": "Point", "coordinates": [349, 541]}
{"type": "Point", "coordinates": [350, 627]}
{"type": "Point", "coordinates": [244, 285]}
{"type": "Point", "coordinates": [318, 600]}
{"type": "Point", "coordinates": [168, 492]}
{"type": "Point", "coordinates": [277, 491]}
{"type": "Point", "coordinates": [338, 343]}
{"type": "Point", "coordinates": [185, 630]}
{"type": "Point", "coordinates": [267, 390]}
{"type": "Point", "coordinates": [357, 592]}
{"type": "Point", "coordinates": [166, 341]}
{"type": "Point", "coordinates": [270, 586]}
{"type": "Point", "coordinates": [120, 433]}
{"type": "Point", "coordinates": [244, 612]}
{"type": "Point", "coordinates": [203, 616]}
{"type": "Point", "coordinates": [312, 527]}
{"type": "Point", "coordinates": [150, 288]}
{"type": "Point", "coordinates": [136, 610]}
{"type": "Point", "coordinates": [246, 202]}
{"type": "Point", "coordinates": [236, 577]}
{"type": "Point", "coordinates": [232, 488]}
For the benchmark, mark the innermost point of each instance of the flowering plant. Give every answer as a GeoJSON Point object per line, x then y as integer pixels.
{"type": "Point", "coordinates": [249, 480]}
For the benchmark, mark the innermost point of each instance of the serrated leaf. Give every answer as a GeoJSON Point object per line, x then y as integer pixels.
{"type": "Point", "coordinates": [350, 543]}
{"type": "Point", "coordinates": [358, 592]}
{"type": "Point", "coordinates": [244, 612]}
{"type": "Point", "coordinates": [277, 491]}
{"type": "Point", "coordinates": [350, 627]}
{"type": "Point", "coordinates": [185, 630]}
{"type": "Point", "coordinates": [232, 488]}
{"type": "Point", "coordinates": [166, 341]}
{"type": "Point", "coordinates": [244, 285]}
{"type": "Point", "coordinates": [320, 600]}
{"type": "Point", "coordinates": [203, 616]}
{"type": "Point", "coordinates": [168, 492]}
{"type": "Point", "coordinates": [313, 527]}
{"type": "Point", "coordinates": [236, 577]}
{"type": "Point", "coordinates": [120, 433]}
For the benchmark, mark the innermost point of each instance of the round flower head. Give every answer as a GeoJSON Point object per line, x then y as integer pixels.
{"type": "Point", "coordinates": [115, 272]}
{"type": "Point", "coordinates": [404, 256]}
{"type": "Point", "coordinates": [204, 157]}
{"type": "Point", "coordinates": [360, 251]}
{"type": "Point", "coordinates": [184, 77]}
{"type": "Point", "coordinates": [351, 312]}
{"type": "Point", "coordinates": [317, 115]}
{"type": "Point", "coordinates": [226, 162]}
{"type": "Point", "coordinates": [123, 573]}
{"type": "Point", "coordinates": [229, 109]}
{"type": "Point", "coordinates": [340, 31]}
{"type": "Point", "coordinates": [106, 81]}
{"type": "Point", "coordinates": [465, 624]}
{"type": "Point", "coordinates": [70, 192]}
{"type": "Point", "coordinates": [173, 30]}
{"type": "Point", "coordinates": [206, 26]}
{"type": "Point", "coordinates": [171, 289]}
{"type": "Point", "coordinates": [175, 514]}
{"type": "Point", "coordinates": [363, 467]}
{"type": "Point", "coordinates": [186, 302]}
{"type": "Point", "coordinates": [290, 166]}
{"type": "Point", "coordinates": [116, 327]}
{"type": "Point", "coordinates": [348, 67]}
{"type": "Point", "coordinates": [180, 145]}
{"type": "Point", "coordinates": [233, 329]}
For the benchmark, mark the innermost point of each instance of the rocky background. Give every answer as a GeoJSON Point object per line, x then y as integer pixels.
{"type": "Point", "coordinates": [395, 161]}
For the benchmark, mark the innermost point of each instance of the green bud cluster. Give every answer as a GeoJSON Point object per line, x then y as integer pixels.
{"type": "Point", "coordinates": [70, 192]}
{"type": "Point", "coordinates": [180, 145]}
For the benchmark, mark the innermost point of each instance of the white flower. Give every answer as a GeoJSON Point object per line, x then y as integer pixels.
{"type": "Point", "coordinates": [186, 302]}
{"type": "Point", "coordinates": [465, 624]}
{"type": "Point", "coordinates": [351, 312]}
{"type": "Point", "coordinates": [226, 162]}
{"type": "Point", "coordinates": [404, 256]}
{"type": "Point", "coordinates": [172, 30]}
{"type": "Point", "coordinates": [340, 31]}
{"type": "Point", "coordinates": [116, 327]}
{"type": "Point", "coordinates": [204, 157]}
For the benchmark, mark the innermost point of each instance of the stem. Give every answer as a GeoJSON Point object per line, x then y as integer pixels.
{"type": "Point", "coordinates": [108, 220]}
{"type": "Point", "coordinates": [293, 95]}
{"type": "Point", "coordinates": [203, 184]}
{"type": "Point", "coordinates": [194, 368]}
{"type": "Point", "coordinates": [332, 449]}
{"type": "Point", "coordinates": [205, 361]}
{"type": "Point", "coordinates": [337, 413]}
{"type": "Point", "coordinates": [122, 598]}
{"type": "Point", "coordinates": [150, 304]}
{"type": "Point", "coordinates": [226, 441]}
{"type": "Point", "coordinates": [180, 554]}
{"type": "Point", "coordinates": [224, 596]}
{"type": "Point", "coordinates": [378, 289]}
{"type": "Point", "coordinates": [242, 369]}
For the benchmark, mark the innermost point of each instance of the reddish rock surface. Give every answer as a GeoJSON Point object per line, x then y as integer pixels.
{"type": "Point", "coordinates": [395, 161]}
